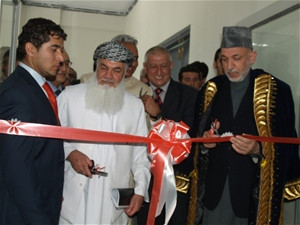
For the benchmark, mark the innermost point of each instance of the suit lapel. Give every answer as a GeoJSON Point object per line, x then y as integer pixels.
{"type": "Point", "coordinates": [172, 99]}
{"type": "Point", "coordinates": [36, 90]}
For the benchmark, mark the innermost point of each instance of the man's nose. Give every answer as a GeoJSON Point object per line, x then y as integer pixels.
{"type": "Point", "coordinates": [230, 64]}
{"type": "Point", "coordinates": [59, 56]}
{"type": "Point", "coordinates": [159, 70]}
{"type": "Point", "coordinates": [108, 74]}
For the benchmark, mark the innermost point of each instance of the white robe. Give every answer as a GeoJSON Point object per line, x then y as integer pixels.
{"type": "Point", "coordinates": [88, 201]}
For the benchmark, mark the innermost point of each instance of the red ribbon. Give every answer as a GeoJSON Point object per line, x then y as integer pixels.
{"type": "Point", "coordinates": [67, 133]}
{"type": "Point", "coordinates": [159, 145]}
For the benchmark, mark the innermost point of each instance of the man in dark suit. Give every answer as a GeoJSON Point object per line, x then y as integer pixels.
{"type": "Point", "coordinates": [172, 101]}
{"type": "Point", "coordinates": [32, 168]}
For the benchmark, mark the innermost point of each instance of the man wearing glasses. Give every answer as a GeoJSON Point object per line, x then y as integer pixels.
{"type": "Point", "coordinates": [61, 75]}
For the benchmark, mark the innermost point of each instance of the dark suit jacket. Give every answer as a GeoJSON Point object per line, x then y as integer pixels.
{"type": "Point", "coordinates": [31, 168]}
{"type": "Point", "coordinates": [179, 105]}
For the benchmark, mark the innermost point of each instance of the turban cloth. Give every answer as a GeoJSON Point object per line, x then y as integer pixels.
{"type": "Point", "coordinates": [113, 51]}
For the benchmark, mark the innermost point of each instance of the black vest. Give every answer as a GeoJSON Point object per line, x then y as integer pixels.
{"type": "Point", "coordinates": [223, 160]}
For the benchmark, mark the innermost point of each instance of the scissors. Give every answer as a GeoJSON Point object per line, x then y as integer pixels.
{"type": "Point", "coordinates": [213, 128]}
{"type": "Point", "coordinates": [95, 170]}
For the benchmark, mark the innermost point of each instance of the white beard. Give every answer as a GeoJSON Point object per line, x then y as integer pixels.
{"type": "Point", "coordinates": [104, 98]}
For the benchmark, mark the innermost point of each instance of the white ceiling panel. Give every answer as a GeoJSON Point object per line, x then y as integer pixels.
{"type": "Point", "coordinates": [110, 7]}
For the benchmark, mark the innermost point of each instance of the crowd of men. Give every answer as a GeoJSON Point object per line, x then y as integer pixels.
{"type": "Point", "coordinates": [51, 181]}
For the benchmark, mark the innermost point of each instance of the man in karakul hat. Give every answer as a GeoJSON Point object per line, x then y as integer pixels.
{"type": "Point", "coordinates": [244, 181]}
{"type": "Point", "coordinates": [102, 104]}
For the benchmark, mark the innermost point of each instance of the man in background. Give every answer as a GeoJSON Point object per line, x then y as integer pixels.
{"type": "Point", "coordinates": [193, 74]}
{"type": "Point", "coordinates": [32, 168]}
{"type": "Point", "coordinates": [218, 62]}
{"type": "Point", "coordinates": [61, 76]}
{"type": "Point", "coordinates": [4, 68]}
{"type": "Point", "coordinates": [143, 76]}
{"type": "Point", "coordinates": [71, 78]}
{"type": "Point", "coordinates": [133, 85]}
{"type": "Point", "coordinates": [5, 65]}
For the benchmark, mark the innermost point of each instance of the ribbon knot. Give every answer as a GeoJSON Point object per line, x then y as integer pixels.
{"type": "Point", "coordinates": [166, 151]}
{"type": "Point", "coordinates": [13, 128]}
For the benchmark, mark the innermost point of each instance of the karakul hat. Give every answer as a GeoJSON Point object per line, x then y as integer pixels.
{"type": "Point", "coordinates": [236, 37]}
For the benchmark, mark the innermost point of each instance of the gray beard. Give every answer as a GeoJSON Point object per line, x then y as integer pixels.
{"type": "Point", "coordinates": [104, 98]}
{"type": "Point", "coordinates": [243, 74]}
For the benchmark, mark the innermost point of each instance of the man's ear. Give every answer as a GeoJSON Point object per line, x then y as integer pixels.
{"type": "Point", "coordinates": [145, 68]}
{"type": "Point", "coordinates": [30, 49]}
{"type": "Point", "coordinates": [253, 57]}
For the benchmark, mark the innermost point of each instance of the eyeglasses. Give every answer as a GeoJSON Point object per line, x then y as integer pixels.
{"type": "Point", "coordinates": [66, 63]}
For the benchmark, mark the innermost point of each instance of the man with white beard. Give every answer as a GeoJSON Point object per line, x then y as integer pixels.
{"type": "Point", "coordinates": [103, 104]}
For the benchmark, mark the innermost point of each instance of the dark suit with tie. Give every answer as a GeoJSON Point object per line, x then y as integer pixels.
{"type": "Point", "coordinates": [31, 168]}
{"type": "Point", "coordinates": [178, 105]}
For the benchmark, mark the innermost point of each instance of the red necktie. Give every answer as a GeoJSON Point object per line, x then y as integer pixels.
{"type": "Point", "coordinates": [157, 98]}
{"type": "Point", "coordinates": [52, 99]}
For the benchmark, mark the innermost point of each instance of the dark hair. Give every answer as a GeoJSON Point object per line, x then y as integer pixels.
{"type": "Point", "coordinates": [217, 54]}
{"type": "Point", "coordinates": [37, 32]}
{"type": "Point", "coordinates": [197, 67]}
{"type": "Point", "coordinates": [202, 67]}
{"type": "Point", "coordinates": [188, 68]}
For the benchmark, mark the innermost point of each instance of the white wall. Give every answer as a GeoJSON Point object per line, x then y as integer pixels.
{"type": "Point", "coordinates": [152, 22]}
{"type": "Point", "coordinates": [5, 30]}
{"type": "Point", "coordinates": [6, 25]}
{"type": "Point", "coordinates": [85, 31]}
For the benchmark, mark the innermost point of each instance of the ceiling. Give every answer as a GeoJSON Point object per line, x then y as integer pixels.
{"type": "Point", "coordinates": [109, 7]}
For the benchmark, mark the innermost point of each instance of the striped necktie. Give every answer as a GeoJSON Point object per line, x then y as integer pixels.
{"type": "Point", "coordinates": [157, 98]}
